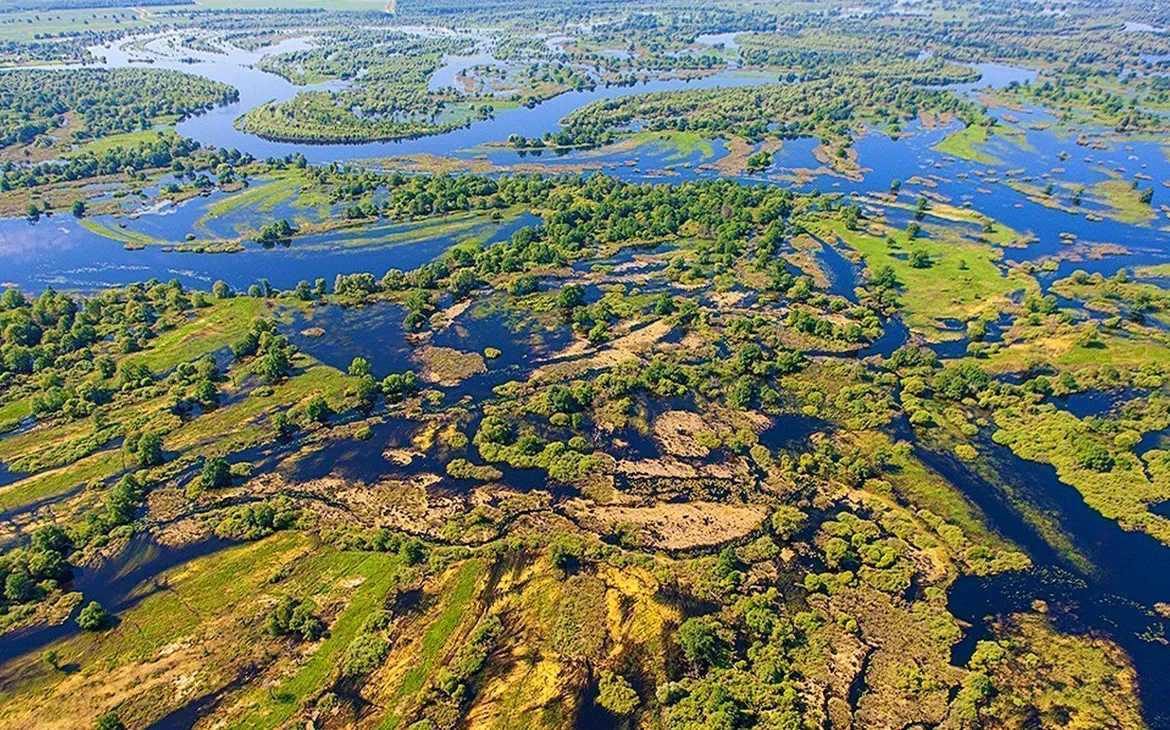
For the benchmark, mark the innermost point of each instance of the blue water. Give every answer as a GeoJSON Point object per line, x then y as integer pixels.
{"type": "Point", "coordinates": [59, 252]}
{"type": "Point", "coordinates": [1114, 597]}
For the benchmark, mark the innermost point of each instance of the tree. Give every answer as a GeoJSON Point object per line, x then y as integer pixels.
{"type": "Point", "coordinates": [701, 643]}
{"type": "Point", "coordinates": [217, 473]}
{"type": "Point", "coordinates": [273, 365]}
{"type": "Point", "coordinates": [282, 424]}
{"type": "Point", "coordinates": [664, 304]}
{"type": "Point", "coordinates": [18, 586]}
{"type": "Point", "coordinates": [150, 451]}
{"type": "Point", "coordinates": [615, 694]}
{"type": "Point", "coordinates": [367, 391]}
{"type": "Point", "coordinates": [206, 394]}
{"type": "Point", "coordinates": [293, 617]}
{"type": "Point", "coordinates": [461, 283]}
{"type": "Point", "coordinates": [280, 230]}
{"type": "Point", "coordinates": [571, 296]}
{"type": "Point", "coordinates": [961, 380]}
{"type": "Point", "coordinates": [359, 367]}
{"type": "Point", "coordinates": [123, 500]}
{"type": "Point", "coordinates": [398, 385]}
{"type": "Point", "coordinates": [318, 409]}
{"type": "Point", "coordinates": [78, 208]}
{"type": "Point", "coordinates": [51, 658]}
{"type": "Point", "coordinates": [93, 617]}
{"type": "Point", "coordinates": [919, 259]}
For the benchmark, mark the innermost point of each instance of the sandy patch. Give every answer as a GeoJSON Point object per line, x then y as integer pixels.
{"type": "Point", "coordinates": [446, 366]}
{"type": "Point", "coordinates": [679, 526]}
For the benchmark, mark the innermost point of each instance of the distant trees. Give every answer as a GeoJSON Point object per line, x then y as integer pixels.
{"type": "Point", "coordinates": [108, 101]}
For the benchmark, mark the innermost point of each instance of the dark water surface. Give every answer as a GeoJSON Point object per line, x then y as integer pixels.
{"type": "Point", "coordinates": [1114, 598]}
{"type": "Point", "coordinates": [117, 584]}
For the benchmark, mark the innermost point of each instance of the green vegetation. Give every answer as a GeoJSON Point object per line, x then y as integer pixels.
{"type": "Point", "coordinates": [101, 102]}
{"type": "Point", "coordinates": [965, 144]}
{"type": "Point", "coordinates": [654, 458]}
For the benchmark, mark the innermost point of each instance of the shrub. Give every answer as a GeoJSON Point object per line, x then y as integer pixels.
{"type": "Point", "coordinates": [93, 617]}
{"type": "Point", "coordinates": [217, 473]}
{"type": "Point", "coordinates": [293, 617]}
{"type": "Point", "coordinates": [615, 694]}
{"type": "Point", "coordinates": [701, 642]}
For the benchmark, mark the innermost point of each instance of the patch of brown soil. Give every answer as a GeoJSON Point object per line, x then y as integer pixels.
{"type": "Point", "coordinates": [681, 526]}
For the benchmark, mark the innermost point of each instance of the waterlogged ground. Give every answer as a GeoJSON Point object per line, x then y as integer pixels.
{"type": "Point", "coordinates": [990, 221]}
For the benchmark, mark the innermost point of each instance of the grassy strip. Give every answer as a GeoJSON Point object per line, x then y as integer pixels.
{"type": "Point", "coordinates": [57, 482]}
{"type": "Point", "coordinates": [214, 328]}
{"type": "Point", "coordinates": [122, 235]}
{"type": "Point", "coordinates": [378, 574]}
{"type": "Point", "coordinates": [435, 639]}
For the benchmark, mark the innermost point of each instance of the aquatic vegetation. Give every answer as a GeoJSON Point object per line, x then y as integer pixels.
{"type": "Point", "coordinates": [967, 143]}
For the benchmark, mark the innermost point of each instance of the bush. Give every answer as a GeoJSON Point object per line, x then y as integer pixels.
{"type": "Point", "coordinates": [109, 721]}
{"type": "Point", "coordinates": [615, 694]}
{"type": "Point", "coordinates": [318, 409]}
{"type": "Point", "coordinates": [217, 473]}
{"type": "Point", "coordinates": [365, 654]}
{"type": "Point", "coordinates": [293, 617]}
{"type": "Point", "coordinates": [93, 617]}
{"type": "Point", "coordinates": [464, 469]}
{"type": "Point", "coordinates": [701, 642]}
{"type": "Point", "coordinates": [787, 521]}
{"type": "Point", "coordinates": [1092, 454]}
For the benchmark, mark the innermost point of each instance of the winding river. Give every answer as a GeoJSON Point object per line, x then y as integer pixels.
{"type": "Point", "coordinates": [57, 251]}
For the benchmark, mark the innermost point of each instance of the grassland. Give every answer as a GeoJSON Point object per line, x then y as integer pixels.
{"type": "Point", "coordinates": [27, 26]}
{"type": "Point", "coordinates": [966, 144]}
{"type": "Point", "coordinates": [1124, 201]}
{"type": "Point", "coordinates": [127, 140]}
{"type": "Point", "coordinates": [963, 279]}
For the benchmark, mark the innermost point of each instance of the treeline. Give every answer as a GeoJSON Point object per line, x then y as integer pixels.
{"type": "Point", "coordinates": [786, 110]}
{"type": "Point", "coordinates": [43, 5]}
{"type": "Point", "coordinates": [162, 152]}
